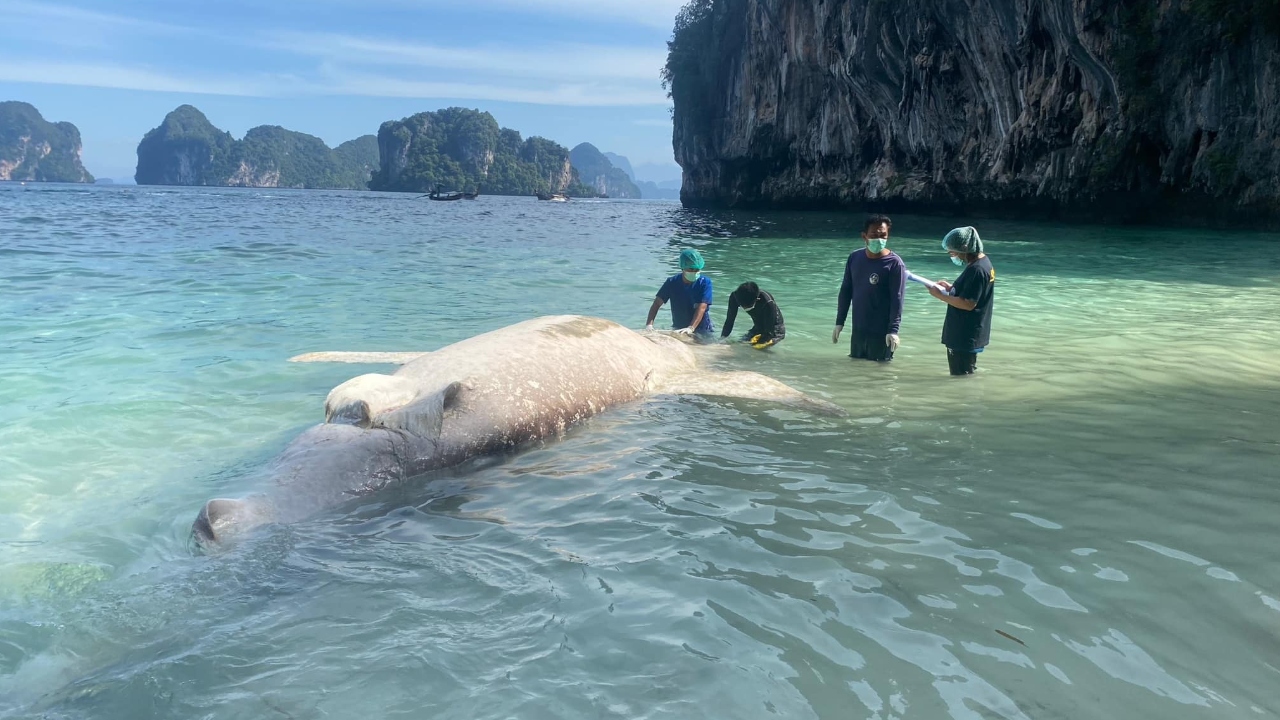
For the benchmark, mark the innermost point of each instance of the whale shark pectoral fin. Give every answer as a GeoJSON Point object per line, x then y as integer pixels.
{"type": "Point", "coordinates": [220, 516]}
{"type": "Point", "coordinates": [742, 384]}
{"type": "Point", "coordinates": [424, 417]}
{"type": "Point", "coordinates": [360, 399]}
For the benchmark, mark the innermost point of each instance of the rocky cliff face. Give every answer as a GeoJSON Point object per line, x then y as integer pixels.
{"type": "Point", "coordinates": [561, 177]}
{"type": "Point", "coordinates": [186, 149]}
{"type": "Point", "coordinates": [622, 163]}
{"type": "Point", "coordinates": [393, 150]}
{"type": "Point", "coordinates": [247, 175]}
{"type": "Point", "coordinates": [34, 149]}
{"type": "Point", "coordinates": [595, 170]}
{"type": "Point", "coordinates": [649, 190]}
{"type": "Point", "coordinates": [1134, 110]}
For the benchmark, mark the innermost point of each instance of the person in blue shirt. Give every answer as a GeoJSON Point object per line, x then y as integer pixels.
{"type": "Point", "coordinates": [689, 292]}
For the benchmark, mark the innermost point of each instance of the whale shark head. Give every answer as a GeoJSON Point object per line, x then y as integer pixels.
{"type": "Point", "coordinates": [378, 429]}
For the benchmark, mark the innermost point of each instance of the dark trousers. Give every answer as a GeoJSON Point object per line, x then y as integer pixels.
{"type": "Point", "coordinates": [961, 362]}
{"type": "Point", "coordinates": [869, 347]}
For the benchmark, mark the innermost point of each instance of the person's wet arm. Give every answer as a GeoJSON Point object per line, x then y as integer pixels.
{"type": "Point", "coordinates": [653, 311]}
{"type": "Point", "coordinates": [898, 281]}
{"type": "Point", "coordinates": [964, 294]}
{"type": "Point", "coordinates": [729, 318]}
{"type": "Point", "coordinates": [698, 311]}
{"type": "Point", "coordinates": [955, 302]}
{"type": "Point", "coordinates": [846, 295]}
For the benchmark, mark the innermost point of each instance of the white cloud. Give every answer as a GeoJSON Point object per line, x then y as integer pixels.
{"type": "Point", "coordinates": [577, 94]}
{"type": "Point", "coordinates": [653, 13]}
{"type": "Point", "coordinates": [658, 14]}
{"type": "Point", "coordinates": [584, 61]}
{"type": "Point", "coordinates": [126, 78]}
{"type": "Point", "coordinates": [21, 9]}
{"type": "Point", "coordinates": [332, 83]}
{"type": "Point", "coordinates": [348, 65]}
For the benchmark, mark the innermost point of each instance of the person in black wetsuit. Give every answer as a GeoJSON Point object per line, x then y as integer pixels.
{"type": "Point", "coordinates": [767, 327]}
{"type": "Point", "coordinates": [966, 331]}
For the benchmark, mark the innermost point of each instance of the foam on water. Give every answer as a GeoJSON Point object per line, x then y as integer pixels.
{"type": "Point", "coordinates": [1085, 529]}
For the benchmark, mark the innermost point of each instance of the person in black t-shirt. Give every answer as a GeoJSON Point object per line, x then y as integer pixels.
{"type": "Point", "coordinates": [967, 328]}
{"type": "Point", "coordinates": [767, 327]}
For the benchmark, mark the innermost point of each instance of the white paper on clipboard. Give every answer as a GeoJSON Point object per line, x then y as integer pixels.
{"type": "Point", "coordinates": [927, 283]}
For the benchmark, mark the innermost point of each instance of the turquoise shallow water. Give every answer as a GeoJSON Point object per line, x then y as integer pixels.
{"type": "Point", "coordinates": [1085, 529]}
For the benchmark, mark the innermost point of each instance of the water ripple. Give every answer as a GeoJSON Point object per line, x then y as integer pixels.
{"type": "Point", "coordinates": [1087, 524]}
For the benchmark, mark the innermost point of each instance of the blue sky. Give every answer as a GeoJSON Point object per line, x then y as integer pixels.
{"type": "Point", "coordinates": [569, 70]}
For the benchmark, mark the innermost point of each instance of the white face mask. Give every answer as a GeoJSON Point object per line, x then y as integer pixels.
{"type": "Point", "coordinates": [691, 275]}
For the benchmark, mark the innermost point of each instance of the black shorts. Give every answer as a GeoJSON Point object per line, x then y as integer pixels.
{"type": "Point", "coordinates": [869, 347]}
{"type": "Point", "coordinates": [962, 362]}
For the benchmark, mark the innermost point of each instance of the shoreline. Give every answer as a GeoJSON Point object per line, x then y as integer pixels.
{"type": "Point", "coordinates": [1168, 213]}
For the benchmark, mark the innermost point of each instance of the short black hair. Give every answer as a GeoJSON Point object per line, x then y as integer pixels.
{"type": "Point", "coordinates": [747, 293]}
{"type": "Point", "coordinates": [874, 220]}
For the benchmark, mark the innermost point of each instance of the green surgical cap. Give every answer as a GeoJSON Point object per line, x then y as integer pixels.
{"type": "Point", "coordinates": [691, 259]}
{"type": "Point", "coordinates": [962, 240]}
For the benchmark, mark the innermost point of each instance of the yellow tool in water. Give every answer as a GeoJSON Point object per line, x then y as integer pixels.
{"type": "Point", "coordinates": [755, 342]}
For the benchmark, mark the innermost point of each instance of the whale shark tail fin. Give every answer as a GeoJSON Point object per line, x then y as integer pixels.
{"type": "Point", "coordinates": [750, 385]}
{"type": "Point", "coordinates": [361, 358]}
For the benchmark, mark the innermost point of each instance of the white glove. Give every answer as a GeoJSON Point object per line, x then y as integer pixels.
{"type": "Point", "coordinates": [835, 334]}
{"type": "Point", "coordinates": [649, 327]}
{"type": "Point", "coordinates": [684, 331]}
{"type": "Point", "coordinates": [891, 341]}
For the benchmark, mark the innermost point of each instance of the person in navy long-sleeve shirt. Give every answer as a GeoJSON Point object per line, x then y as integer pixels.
{"type": "Point", "coordinates": [875, 279]}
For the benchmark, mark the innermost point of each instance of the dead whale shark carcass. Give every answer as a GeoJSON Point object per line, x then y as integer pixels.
{"type": "Point", "coordinates": [487, 394]}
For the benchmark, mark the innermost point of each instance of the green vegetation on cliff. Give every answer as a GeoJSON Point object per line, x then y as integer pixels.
{"type": "Point", "coordinates": [305, 161]}
{"type": "Point", "coordinates": [461, 149]}
{"type": "Point", "coordinates": [692, 54]}
{"type": "Point", "coordinates": [356, 160]}
{"type": "Point", "coordinates": [186, 149]}
{"type": "Point", "coordinates": [32, 148]}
